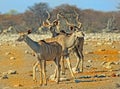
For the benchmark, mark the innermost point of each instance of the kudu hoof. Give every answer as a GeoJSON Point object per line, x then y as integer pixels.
{"type": "Point", "coordinates": [45, 85]}
{"type": "Point", "coordinates": [34, 80]}
{"type": "Point", "coordinates": [76, 70]}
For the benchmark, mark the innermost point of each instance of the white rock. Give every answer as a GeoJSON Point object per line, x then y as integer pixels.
{"type": "Point", "coordinates": [26, 51]}
{"type": "Point", "coordinates": [76, 70]}
{"type": "Point", "coordinates": [113, 46]}
{"type": "Point", "coordinates": [7, 53]}
{"type": "Point", "coordinates": [18, 85]}
{"type": "Point", "coordinates": [0, 44]}
{"type": "Point", "coordinates": [90, 61]}
{"type": "Point", "coordinates": [118, 74]}
{"type": "Point", "coordinates": [4, 76]}
{"type": "Point", "coordinates": [88, 52]}
{"type": "Point", "coordinates": [12, 72]}
{"type": "Point", "coordinates": [64, 79]}
{"type": "Point", "coordinates": [101, 49]}
{"type": "Point", "coordinates": [12, 58]}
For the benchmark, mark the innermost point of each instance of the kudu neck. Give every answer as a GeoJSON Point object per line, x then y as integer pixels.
{"type": "Point", "coordinates": [71, 40]}
{"type": "Point", "coordinates": [32, 44]}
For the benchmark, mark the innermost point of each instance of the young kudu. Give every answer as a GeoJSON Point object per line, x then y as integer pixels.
{"type": "Point", "coordinates": [45, 51]}
{"type": "Point", "coordinates": [67, 42]}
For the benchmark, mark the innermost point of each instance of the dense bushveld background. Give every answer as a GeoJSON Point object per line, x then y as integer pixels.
{"type": "Point", "coordinates": [92, 21]}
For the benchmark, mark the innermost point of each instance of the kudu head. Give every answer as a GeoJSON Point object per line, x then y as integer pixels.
{"type": "Point", "coordinates": [53, 25]}
{"type": "Point", "coordinates": [73, 27]}
{"type": "Point", "coordinates": [57, 20]}
{"type": "Point", "coordinates": [78, 34]}
{"type": "Point", "coordinates": [23, 35]}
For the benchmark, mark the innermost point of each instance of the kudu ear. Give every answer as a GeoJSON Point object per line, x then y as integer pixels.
{"type": "Point", "coordinates": [29, 31]}
{"type": "Point", "coordinates": [45, 23]}
{"type": "Point", "coordinates": [71, 28]}
{"type": "Point", "coordinates": [55, 22]}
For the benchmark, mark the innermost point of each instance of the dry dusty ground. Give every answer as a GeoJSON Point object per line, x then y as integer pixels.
{"type": "Point", "coordinates": [95, 75]}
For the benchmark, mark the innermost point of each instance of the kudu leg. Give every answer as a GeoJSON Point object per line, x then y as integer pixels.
{"type": "Point", "coordinates": [79, 56]}
{"type": "Point", "coordinates": [57, 62]}
{"type": "Point", "coordinates": [70, 67]}
{"type": "Point", "coordinates": [76, 68]}
{"type": "Point", "coordinates": [44, 71]}
{"type": "Point", "coordinates": [41, 76]}
{"type": "Point", "coordinates": [34, 70]}
{"type": "Point", "coordinates": [81, 61]}
{"type": "Point", "coordinates": [62, 66]}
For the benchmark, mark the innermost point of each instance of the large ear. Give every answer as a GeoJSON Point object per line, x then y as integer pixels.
{"type": "Point", "coordinates": [71, 28]}
{"type": "Point", "coordinates": [55, 22]}
{"type": "Point", "coordinates": [46, 24]}
{"type": "Point", "coordinates": [29, 31]}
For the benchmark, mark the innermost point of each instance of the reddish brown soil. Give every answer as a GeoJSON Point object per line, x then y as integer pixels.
{"type": "Point", "coordinates": [24, 62]}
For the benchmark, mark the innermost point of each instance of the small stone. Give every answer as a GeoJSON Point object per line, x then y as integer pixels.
{"type": "Point", "coordinates": [12, 58]}
{"type": "Point", "coordinates": [30, 74]}
{"type": "Point", "coordinates": [113, 75]}
{"type": "Point", "coordinates": [4, 76]}
{"type": "Point", "coordinates": [51, 65]}
{"type": "Point", "coordinates": [4, 73]}
{"type": "Point", "coordinates": [117, 85]}
{"type": "Point", "coordinates": [77, 81]}
{"type": "Point", "coordinates": [118, 74]}
{"type": "Point", "coordinates": [0, 44]}
{"type": "Point", "coordinates": [52, 77]}
{"type": "Point", "coordinates": [103, 63]}
{"type": "Point", "coordinates": [100, 76]}
{"type": "Point", "coordinates": [89, 52]}
{"type": "Point", "coordinates": [88, 76]}
{"type": "Point", "coordinates": [90, 61]}
{"type": "Point", "coordinates": [88, 66]}
{"type": "Point", "coordinates": [12, 72]}
{"type": "Point", "coordinates": [117, 63]}
{"type": "Point", "coordinates": [18, 85]}
{"type": "Point", "coordinates": [33, 54]}
{"type": "Point", "coordinates": [7, 53]}
{"type": "Point", "coordinates": [105, 56]}
{"type": "Point", "coordinates": [101, 49]}
{"type": "Point", "coordinates": [14, 45]}
{"type": "Point", "coordinates": [64, 79]}
{"type": "Point", "coordinates": [113, 46]}
{"type": "Point", "coordinates": [26, 51]}
{"type": "Point", "coordinates": [99, 43]}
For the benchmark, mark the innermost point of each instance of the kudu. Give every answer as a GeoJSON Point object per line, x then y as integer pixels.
{"type": "Point", "coordinates": [45, 51]}
{"type": "Point", "coordinates": [78, 48]}
{"type": "Point", "coordinates": [67, 42]}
